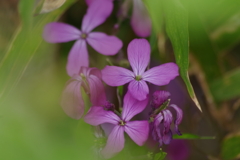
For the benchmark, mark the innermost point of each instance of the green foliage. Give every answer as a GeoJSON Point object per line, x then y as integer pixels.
{"type": "Point", "coordinates": [160, 155]}
{"type": "Point", "coordinates": [27, 41]}
{"type": "Point", "coordinates": [176, 21]}
{"type": "Point", "coordinates": [227, 87]}
{"type": "Point", "coordinates": [190, 136]}
{"type": "Point", "coordinates": [230, 147]}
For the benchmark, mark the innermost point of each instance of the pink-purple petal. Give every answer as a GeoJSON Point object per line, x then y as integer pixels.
{"type": "Point", "coordinates": [96, 72]}
{"type": "Point", "coordinates": [159, 97]}
{"type": "Point", "coordinates": [162, 74]}
{"type": "Point", "coordinates": [116, 76]}
{"type": "Point", "coordinates": [167, 120]}
{"type": "Point", "coordinates": [97, 13]}
{"type": "Point", "coordinates": [139, 55]}
{"type": "Point", "coordinates": [57, 32]}
{"type": "Point", "coordinates": [140, 21]}
{"type": "Point", "coordinates": [137, 131]}
{"type": "Point", "coordinates": [97, 92]}
{"type": "Point", "coordinates": [178, 120]}
{"type": "Point", "coordinates": [72, 102]}
{"type": "Point", "coordinates": [104, 44]}
{"type": "Point", "coordinates": [97, 115]}
{"type": "Point", "coordinates": [115, 142]}
{"type": "Point", "coordinates": [131, 106]}
{"type": "Point", "coordinates": [138, 89]}
{"type": "Point", "coordinates": [77, 57]}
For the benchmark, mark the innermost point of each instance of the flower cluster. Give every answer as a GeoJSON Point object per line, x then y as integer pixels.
{"type": "Point", "coordinates": [89, 80]}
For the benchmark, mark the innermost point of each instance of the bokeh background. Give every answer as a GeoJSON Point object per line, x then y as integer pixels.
{"type": "Point", "coordinates": [32, 76]}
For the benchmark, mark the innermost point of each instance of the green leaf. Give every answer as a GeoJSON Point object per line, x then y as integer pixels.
{"type": "Point", "coordinates": [191, 136]}
{"type": "Point", "coordinates": [160, 156]}
{"type": "Point", "coordinates": [227, 87]}
{"type": "Point", "coordinates": [231, 147]}
{"type": "Point", "coordinates": [201, 45]}
{"type": "Point", "coordinates": [154, 8]}
{"type": "Point", "coordinates": [176, 19]}
{"type": "Point", "coordinates": [25, 44]}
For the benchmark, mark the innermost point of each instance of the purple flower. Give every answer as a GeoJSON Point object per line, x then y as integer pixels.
{"type": "Point", "coordinates": [161, 117]}
{"type": "Point", "coordinates": [96, 14]}
{"type": "Point", "coordinates": [139, 57]}
{"type": "Point", "coordinates": [137, 130]}
{"type": "Point", "coordinates": [88, 78]}
{"type": "Point", "coordinates": [140, 20]}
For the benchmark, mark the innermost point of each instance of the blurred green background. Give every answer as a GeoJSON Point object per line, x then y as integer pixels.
{"type": "Point", "coordinates": [204, 33]}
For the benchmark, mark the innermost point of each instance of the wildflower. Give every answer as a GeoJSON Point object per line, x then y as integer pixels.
{"type": "Point", "coordinates": [140, 20]}
{"type": "Point", "coordinates": [161, 117]}
{"type": "Point", "coordinates": [97, 13]}
{"type": "Point", "coordinates": [88, 78]}
{"type": "Point", "coordinates": [139, 57]}
{"type": "Point", "coordinates": [137, 130]}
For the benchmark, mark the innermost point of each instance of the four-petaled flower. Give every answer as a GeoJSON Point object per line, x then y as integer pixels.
{"type": "Point", "coordinates": [72, 101]}
{"type": "Point", "coordinates": [162, 118]}
{"type": "Point", "coordinates": [137, 130]}
{"type": "Point", "coordinates": [139, 57]}
{"type": "Point", "coordinates": [97, 13]}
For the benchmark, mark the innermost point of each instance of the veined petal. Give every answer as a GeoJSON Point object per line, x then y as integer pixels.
{"type": "Point", "coordinates": [162, 74]}
{"type": "Point", "coordinates": [159, 97]}
{"type": "Point", "coordinates": [97, 92]}
{"type": "Point", "coordinates": [140, 21]}
{"type": "Point", "coordinates": [97, 13]}
{"type": "Point", "coordinates": [104, 44]}
{"type": "Point", "coordinates": [167, 120]}
{"type": "Point", "coordinates": [77, 57]}
{"type": "Point", "coordinates": [157, 136]}
{"type": "Point", "coordinates": [137, 131]}
{"type": "Point", "coordinates": [167, 137]}
{"type": "Point", "coordinates": [116, 76]}
{"type": "Point", "coordinates": [97, 115]}
{"type": "Point", "coordinates": [96, 72]}
{"type": "Point", "coordinates": [115, 142]}
{"type": "Point", "coordinates": [72, 102]}
{"type": "Point", "coordinates": [138, 89]}
{"type": "Point", "coordinates": [139, 55]}
{"type": "Point", "coordinates": [131, 106]}
{"type": "Point", "coordinates": [57, 32]}
{"type": "Point", "coordinates": [178, 120]}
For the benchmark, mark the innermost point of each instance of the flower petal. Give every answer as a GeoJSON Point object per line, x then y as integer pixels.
{"type": "Point", "coordinates": [159, 97]}
{"type": "Point", "coordinates": [77, 57]}
{"type": "Point", "coordinates": [178, 120]}
{"type": "Point", "coordinates": [139, 55]}
{"type": "Point", "coordinates": [156, 133]}
{"type": "Point", "coordinates": [162, 74]}
{"type": "Point", "coordinates": [115, 142]}
{"type": "Point", "coordinates": [97, 13]}
{"type": "Point", "coordinates": [97, 92]}
{"type": "Point", "coordinates": [138, 89]}
{"type": "Point", "coordinates": [72, 102]}
{"type": "Point", "coordinates": [131, 106]}
{"type": "Point", "coordinates": [97, 115]}
{"type": "Point", "coordinates": [137, 131]}
{"type": "Point", "coordinates": [140, 21]}
{"type": "Point", "coordinates": [116, 76]}
{"type": "Point", "coordinates": [167, 137]}
{"type": "Point", "coordinates": [167, 120]}
{"type": "Point", "coordinates": [104, 44]}
{"type": "Point", "coordinates": [57, 32]}
{"type": "Point", "coordinates": [96, 72]}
